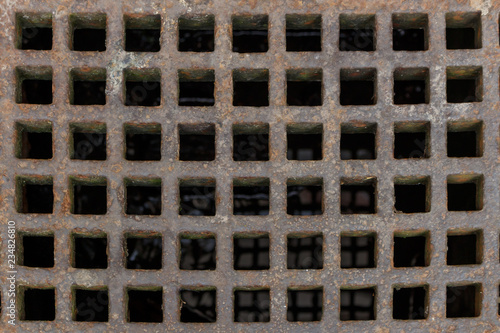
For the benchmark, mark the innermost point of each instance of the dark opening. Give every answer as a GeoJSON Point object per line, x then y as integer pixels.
{"type": "Point", "coordinates": [251, 306]}
{"type": "Point", "coordinates": [36, 145]}
{"type": "Point", "coordinates": [89, 146]}
{"type": "Point", "coordinates": [408, 39]}
{"type": "Point", "coordinates": [463, 250]}
{"type": "Point", "coordinates": [39, 304]}
{"type": "Point", "coordinates": [409, 91]}
{"type": "Point", "coordinates": [196, 34]}
{"type": "Point", "coordinates": [462, 196]}
{"type": "Point", "coordinates": [36, 91]}
{"type": "Point", "coordinates": [251, 145]}
{"type": "Point", "coordinates": [303, 93]}
{"type": "Point", "coordinates": [303, 33]}
{"type": "Point", "coordinates": [37, 198]}
{"type": "Point", "coordinates": [462, 301]}
{"type": "Point", "coordinates": [463, 30]}
{"type": "Point", "coordinates": [356, 40]}
{"type": "Point", "coordinates": [250, 93]}
{"type": "Point", "coordinates": [142, 40]}
{"type": "Point", "coordinates": [251, 253]}
{"type": "Point", "coordinates": [304, 147]}
{"type": "Point", "coordinates": [357, 146]}
{"type": "Point", "coordinates": [357, 251]}
{"type": "Point", "coordinates": [91, 305]}
{"type": "Point", "coordinates": [38, 251]}
{"type": "Point", "coordinates": [410, 145]}
{"type": "Point", "coordinates": [460, 38]}
{"type": "Point", "coordinates": [251, 200]}
{"type": "Point", "coordinates": [197, 253]}
{"type": "Point", "coordinates": [36, 38]}
{"type": "Point", "coordinates": [197, 145]}
{"type": "Point", "coordinates": [357, 304]}
{"type": "Point", "coordinates": [144, 252]}
{"type": "Point", "coordinates": [409, 303]}
{"type": "Point", "coordinates": [357, 199]}
{"type": "Point", "coordinates": [305, 252]}
{"type": "Point", "coordinates": [461, 90]}
{"type": "Point", "coordinates": [145, 306]}
{"type": "Point", "coordinates": [304, 305]}
{"type": "Point", "coordinates": [143, 200]}
{"type": "Point", "coordinates": [90, 199]}
{"type": "Point", "coordinates": [198, 306]}
{"type": "Point", "coordinates": [410, 198]}
{"type": "Point", "coordinates": [143, 146]}
{"type": "Point", "coordinates": [90, 252]}
{"type": "Point", "coordinates": [197, 200]}
{"type": "Point", "coordinates": [462, 144]}
{"type": "Point", "coordinates": [357, 92]}
{"type": "Point", "coordinates": [304, 200]}
{"type": "Point", "coordinates": [87, 39]}
{"type": "Point", "coordinates": [143, 93]}
{"type": "Point", "coordinates": [410, 251]}
{"type": "Point", "coordinates": [89, 92]}
{"type": "Point", "coordinates": [196, 93]}
{"type": "Point", "coordinates": [250, 33]}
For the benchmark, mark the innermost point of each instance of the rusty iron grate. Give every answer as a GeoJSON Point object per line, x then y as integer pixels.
{"type": "Point", "coordinates": [255, 165]}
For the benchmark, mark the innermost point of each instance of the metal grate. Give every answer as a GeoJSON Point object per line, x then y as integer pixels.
{"type": "Point", "coordinates": [252, 165]}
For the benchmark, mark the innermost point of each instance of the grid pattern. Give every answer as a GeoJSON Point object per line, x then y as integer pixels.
{"type": "Point", "coordinates": [164, 69]}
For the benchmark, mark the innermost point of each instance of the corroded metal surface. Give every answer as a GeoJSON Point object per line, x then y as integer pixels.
{"type": "Point", "coordinates": [331, 169]}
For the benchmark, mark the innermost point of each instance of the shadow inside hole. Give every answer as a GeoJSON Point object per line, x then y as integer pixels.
{"type": "Point", "coordinates": [460, 38]}
{"type": "Point", "coordinates": [304, 305]}
{"type": "Point", "coordinates": [145, 306]}
{"type": "Point", "coordinates": [36, 38]}
{"type": "Point", "coordinates": [410, 198]}
{"type": "Point", "coordinates": [357, 252]}
{"type": "Point", "coordinates": [461, 301]}
{"type": "Point", "coordinates": [408, 39]}
{"type": "Point", "coordinates": [89, 92]}
{"type": "Point", "coordinates": [38, 199]}
{"type": "Point", "coordinates": [251, 306]}
{"type": "Point", "coordinates": [250, 93]}
{"type": "Point", "coordinates": [357, 199]}
{"type": "Point", "coordinates": [409, 92]}
{"type": "Point", "coordinates": [303, 93]}
{"type": "Point", "coordinates": [196, 40]}
{"type": "Point", "coordinates": [304, 147]}
{"type": "Point", "coordinates": [143, 200]}
{"type": "Point", "coordinates": [251, 253]}
{"type": "Point", "coordinates": [37, 145]}
{"type": "Point", "coordinates": [142, 40]}
{"type": "Point", "coordinates": [462, 197]}
{"type": "Point", "coordinates": [196, 147]}
{"type": "Point", "coordinates": [91, 252]}
{"type": "Point", "coordinates": [357, 146]}
{"type": "Point", "coordinates": [145, 93]}
{"type": "Point", "coordinates": [410, 251]}
{"type": "Point", "coordinates": [144, 253]}
{"type": "Point", "coordinates": [410, 145]}
{"type": "Point", "coordinates": [356, 40]}
{"type": "Point", "coordinates": [91, 305]}
{"type": "Point", "coordinates": [251, 147]}
{"type": "Point", "coordinates": [38, 251]}
{"type": "Point", "coordinates": [462, 144]}
{"type": "Point", "coordinates": [462, 250]}
{"type": "Point", "coordinates": [409, 303]}
{"type": "Point", "coordinates": [89, 199]}
{"type": "Point", "coordinates": [192, 93]}
{"type": "Point", "coordinates": [85, 39]}
{"type": "Point", "coordinates": [250, 41]}
{"type": "Point", "coordinates": [357, 304]}
{"type": "Point", "coordinates": [197, 200]}
{"type": "Point", "coordinates": [89, 146]}
{"type": "Point", "coordinates": [197, 254]}
{"type": "Point", "coordinates": [143, 147]}
{"type": "Point", "coordinates": [39, 304]}
{"type": "Point", "coordinates": [198, 306]}
{"type": "Point", "coordinates": [305, 252]}
{"type": "Point", "coordinates": [251, 200]}
{"type": "Point", "coordinates": [36, 91]}
{"type": "Point", "coordinates": [304, 200]}
{"type": "Point", "coordinates": [303, 40]}
{"type": "Point", "coordinates": [461, 91]}
{"type": "Point", "coordinates": [357, 92]}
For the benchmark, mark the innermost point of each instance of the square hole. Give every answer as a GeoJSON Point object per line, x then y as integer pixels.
{"type": "Point", "coordinates": [463, 30]}
{"type": "Point", "coordinates": [196, 87]}
{"type": "Point", "coordinates": [303, 32]}
{"type": "Point", "coordinates": [90, 304]}
{"type": "Point", "coordinates": [463, 301]}
{"type": "Point", "coordinates": [38, 303]}
{"type": "Point", "coordinates": [304, 251]}
{"type": "Point", "coordinates": [196, 33]}
{"type": "Point", "coordinates": [357, 303]}
{"type": "Point", "coordinates": [464, 84]}
{"type": "Point", "coordinates": [90, 250]}
{"type": "Point", "coordinates": [88, 86]}
{"type": "Point", "coordinates": [410, 32]}
{"type": "Point", "coordinates": [250, 33]}
{"type": "Point", "coordinates": [304, 196]}
{"type": "Point", "coordinates": [198, 305]}
{"type": "Point", "coordinates": [196, 142]}
{"type": "Point", "coordinates": [34, 194]}
{"type": "Point", "coordinates": [37, 250]}
{"type": "Point", "coordinates": [357, 250]}
{"type": "Point", "coordinates": [358, 86]}
{"type": "Point", "coordinates": [143, 250]}
{"type": "Point", "coordinates": [251, 142]}
{"type": "Point", "coordinates": [357, 32]}
{"type": "Point", "coordinates": [465, 248]}
{"type": "Point", "coordinates": [143, 196]}
{"type": "Point", "coordinates": [251, 196]}
{"type": "Point", "coordinates": [411, 86]}
{"type": "Point", "coordinates": [88, 32]}
{"type": "Point", "coordinates": [304, 304]}
{"type": "Point", "coordinates": [142, 87]}
{"type": "Point", "coordinates": [250, 87]}
{"type": "Point", "coordinates": [465, 192]}
{"type": "Point", "coordinates": [34, 85]}
{"type": "Point", "coordinates": [410, 303]}
{"type": "Point", "coordinates": [412, 139]}
{"type": "Point", "coordinates": [88, 141]}
{"type": "Point", "coordinates": [197, 251]}
{"type": "Point", "coordinates": [34, 140]}
{"type": "Point", "coordinates": [142, 142]}
{"type": "Point", "coordinates": [464, 138]}
{"type": "Point", "coordinates": [358, 141]}
{"type": "Point", "coordinates": [197, 197]}
{"type": "Point", "coordinates": [304, 141]}
{"type": "Point", "coordinates": [411, 249]}
{"type": "Point", "coordinates": [412, 194]}
{"type": "Point", "coordinates": [252, 305]}
{"type": "Point", "coordinates": [358, 195]}
{"type": "Point", "coordinates": [89, 195]}
{"type": "Point", "coordinates": [34, 31]}
{"type": "Point", "coordinates": [144, 304]}
{"type": "Point", "coordinates": [251, 251]}
{"type": "Point", "coordinates": [304, 87]}
{"type": "Point", "coordinates": [142, 33]}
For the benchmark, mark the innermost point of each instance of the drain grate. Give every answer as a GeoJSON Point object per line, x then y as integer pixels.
{"type": "Point", "coordinates": [279, 165]}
